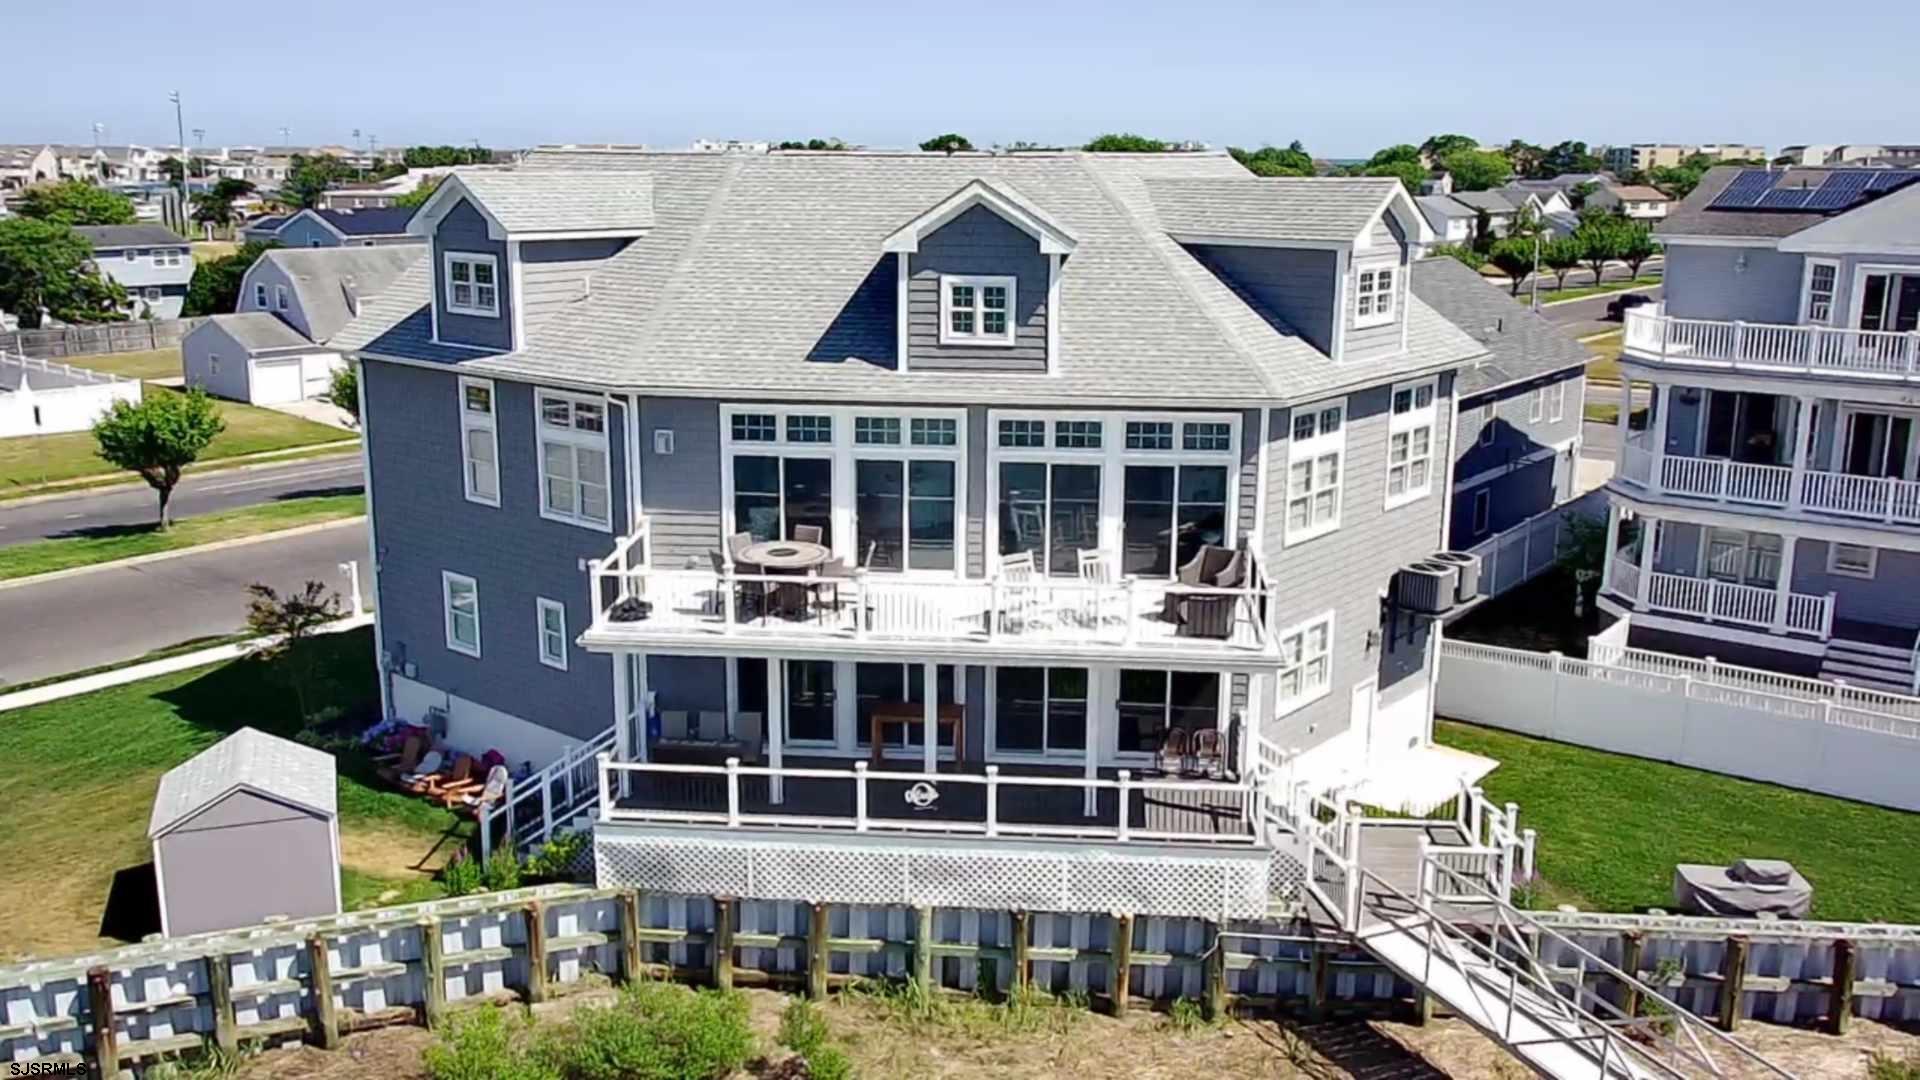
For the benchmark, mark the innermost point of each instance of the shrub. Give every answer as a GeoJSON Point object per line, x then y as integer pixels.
{"type": "Point", "coordinates": [502, 870]}
{"type": "Point", "coordinates": [461, 875]}
{"type": "Point", "coordinates": [1886, 1067]}
{"type": "Point", "coordinates": [1185, 1015]}
{"type": "Point", "coordinates": [554, 861]}
{"type": "Point", "coordinates": [803, 1029]}
{"type": "Point", "coordinates": [655, 1031]}
{"type": "Point", "coordinates": [485, 1044]}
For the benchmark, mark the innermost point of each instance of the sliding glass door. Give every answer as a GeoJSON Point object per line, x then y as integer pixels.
{"type": "Point", "coordinates": [1169, 512]}
{"type": "Point", "coordinates": [1052, 510]}
{"type": "Point", "coordinates": [905, 513]}
{"type": "Point", "coordinates": [773, 495]}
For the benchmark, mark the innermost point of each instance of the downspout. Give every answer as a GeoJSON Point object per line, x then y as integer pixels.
{"type": "Point", "coordinates": [371, 580]}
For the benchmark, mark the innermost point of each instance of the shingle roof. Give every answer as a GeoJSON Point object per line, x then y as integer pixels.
{"type": "Point", "coordinates": [763, 274]}
{"type": "Point", "coordinates": [1520, 344]}
{"type": "Point", "coordinates": [321, 276]}
{"type": "Point", "coordinates": [109, 237]}
{"type": "Point", "coordinates": [1690, 216]}
{"type": "Point", "coordinates": [260, 331]}
{"type": "Point", "coordinates": [1493, 202]}
{"type": "Point", "coordinates": [247, 759]}
{"type": "Point", "coordinates": [1444, 206]}
{"type": "Point", "coordinates": [563, 200]}
{"type": "Point", "coordinates": [1640, 193]}
{"type": "Point", "coordinates": [373, 221]}
{"type": "Point", "coordinates": [1275, 208]}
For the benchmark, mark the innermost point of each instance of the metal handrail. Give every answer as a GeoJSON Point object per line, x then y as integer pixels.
{"type": "Point", "coordinates": [540, 785]}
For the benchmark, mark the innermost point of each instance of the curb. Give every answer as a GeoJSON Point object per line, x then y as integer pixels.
{"type": "Point", "coordinates": [79, 486]}
{"type": "Point", "coordinates": [134, 672]}
{"type": "Point", "coordinates": [197, 549]}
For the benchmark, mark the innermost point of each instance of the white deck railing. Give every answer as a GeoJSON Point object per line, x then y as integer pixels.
{"type": "Point", "coordinates": [548, 801]}
{"type": "Point", "coordinates": [1874, 498]}
{"type": "Point", "coordinates": [853, 787]}
{"type": "Point", "coordinates": [1723, 601]}
{"type": "Point", "coordinates": [1819, 350]}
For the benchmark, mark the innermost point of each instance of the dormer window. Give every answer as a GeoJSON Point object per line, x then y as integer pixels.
{"type": "Point", "coordinates": [1374, 298]}
{"type": "Point", "coordinates": [473, 285]}
{"type": "Point", "coordinates": [976, 310]}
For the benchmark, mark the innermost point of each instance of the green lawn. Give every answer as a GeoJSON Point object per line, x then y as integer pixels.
{"type": "Point", "coordinates": [41, 459]}
{"type": "Point", "coordinates": [106, 544]}
{"type": "Point", "coordinates": [1605, 365]}
{"type": "Point", "coordinates": [1609, 413]}
{"type": "Point", "coordinates": [146, 364]}
{"type": "Point", "coordinates": [1612, 827]}
{"type": "Point", "coordinates": [80, 776]}
{"type": "Point", "coordinates": [1579, 292]}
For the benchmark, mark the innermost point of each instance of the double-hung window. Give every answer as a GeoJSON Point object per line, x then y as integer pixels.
{"type": "Point", "coordinates": [1488, 414]}
{"type": "Point", "coordinates": [574, 481]}
{"type": "Point", "coordinates": [1155, 702]}
{"type": "Point", "coordinates": [1536, 404]}
{"type": "Point", "coordinates": [552, 629]}
{"type": "Point", "coordinates": [1374, 296]}
{"type": "Point", "coordinates": [1315, 457]}
{"type": "Point", "coordinates": [1557, 401]}
{"type": "Point", "coordinates": [280, 297]}
{"type": "Point", "coordinates": [1306, 661]}
{"type": "Point", "coordinates": [1822, 280]}
{"type": "Point", "coordinates": [460, 597]}
{"type": "Point", "coordinates": [976, 310]}
{"type": "Point", "coordinates": [473, 284]}
{"type": "Point", "coordinates": [260, 296]}
{"type": "Point", "coordinates": [1410, 442]}
{"type": "Point", "coordinates": [479, 441]}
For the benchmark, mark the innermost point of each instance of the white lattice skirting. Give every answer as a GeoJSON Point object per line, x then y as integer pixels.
{"type": "Point", "coordinates": [1034, 877]}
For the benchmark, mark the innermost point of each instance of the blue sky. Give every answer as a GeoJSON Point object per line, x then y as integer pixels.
{"type": "Point", "coordinates": [1346, 78]}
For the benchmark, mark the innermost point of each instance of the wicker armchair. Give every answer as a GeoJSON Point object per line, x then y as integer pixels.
{"type": "Point", "coordinates": [1207, 616]}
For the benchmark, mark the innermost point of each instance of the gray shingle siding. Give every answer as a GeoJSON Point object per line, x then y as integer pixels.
{"type": "Point", "coordinates": [1706, 283]}
{"type": "Point", "coordinates": [1295, 285]}
{"type": "Point", "coordinates": [680, 494]}
{"type": "Point", "coordinates": [200, 348]}
{"type": "Point", "coordinates": [425, 525]}
{"type": "Point", "coordinates": [1891, 597]}
{"type": "Point", "coordinates": [465, 230]}
{"type": "Point", "coordinates": [1383, 340]}
{"type": "Point", "coordinates": [267, 272]}
{"type": "Point", "coordinates": [1346, 570]}
{"type": "Point", "coordinates": [554, 273]}
{"type": "Point", "coordinates": [977, 242]}
{"type": "Point", "coordinates": [306, 232]}
{"type": "Point", "coordinates": [1515, 437]}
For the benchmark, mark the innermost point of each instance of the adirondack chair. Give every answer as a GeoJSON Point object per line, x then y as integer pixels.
{"type": "Point", "coordinates": [423, 774]}
{"type": "Point", "coordinates": [493, 792]}
{"type": "Point", "coordinates": [395, 766]}
{"type": "Point", "coordinates": [457, 779]}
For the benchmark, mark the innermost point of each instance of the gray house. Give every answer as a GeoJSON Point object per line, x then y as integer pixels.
{"type": "Point", "coordinates": [152, 262]}
{"type": "Point", "coordinates": [243, 830]}
{"type": "Point", "coordinates": [1085, 462]}
{"type": "Point", "coordinates": [1771, 512]}
{"type": "Point", "coordinates": [325, 228]}
{"type": "Point", "coordinates": [1517, 433]}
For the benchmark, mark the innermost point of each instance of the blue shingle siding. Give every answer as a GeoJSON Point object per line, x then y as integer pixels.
{"type": "Point", "coordinates": [464, 229]}
{"type": "Point", "coordinates": [1709, 283]}
{"type": "Point", "coordinates": [1511, 499]}
{"type": "Point", "coordinates": [424, 525]}
{"type": "Point", "coordinates": [306, 232]}
{"type": "Point", "coordinates": [1516, 437]}
{"type": "Point", "coordinates": [680, 493]}
{"type": "Point", "coordinates": [978, 242]}
{"type": "Point", "coordinates": [1891, 597]}
{"type": "Point", "coordinates": [1294, 286]}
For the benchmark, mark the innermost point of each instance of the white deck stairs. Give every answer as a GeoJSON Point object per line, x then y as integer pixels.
{"type": "Point", "coordinates": [1869, 666]}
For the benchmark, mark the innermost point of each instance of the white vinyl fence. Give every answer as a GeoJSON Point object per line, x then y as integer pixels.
{"type": "Point", "coordinates": [1737, 721]}
{"type": "Point", "coordinates": [46, 397]}
{"type": "Point", "coordinates": [1528, 549]}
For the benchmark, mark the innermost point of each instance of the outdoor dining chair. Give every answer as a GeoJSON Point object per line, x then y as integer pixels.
{"type": "Point", "coordinates": [1172, 757]}
{"type": "Point", "coordinates": [809, 534]}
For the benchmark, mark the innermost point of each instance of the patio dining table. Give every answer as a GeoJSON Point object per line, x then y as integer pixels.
{"type": "Point", "coordinates": [785, 556]}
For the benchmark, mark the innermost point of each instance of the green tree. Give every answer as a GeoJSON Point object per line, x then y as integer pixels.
{"type": "Point", "coordinates": [1401, 161]}
{"type": "Point", "coordinates": [1581, 192]}
{"type": "Point", "coordinates": [1274, 161]}
{"type": "Point", "coordinates": [46, 268]}
{"type": "Point", "coordinates": [1602, 239]}
{"type": "Point", "coordinates": [813, 144]}
{"type": "Point", "coordinates": [215, 205]}
{"type": "Point", "coordinates": [158, 436]}
{"type": "Point", "coordinates": [1525, 157]}
{"type": "Point", "coordinates": [1560, 255]}
{"type": "Point", "coordinates": [1460, 253]}
{"type": "Point", "coordinates": [1637, 246]}
{"type": "Point", "coordinates": [1567, 157]}
{"type": "Point", "coordinates": [1126, 143]}
{"type": "Point", "coordinates": [307, 177]}
{"type": "Point", "coordinates": [175, 169]}
{"type": "Point", "coordinates": [75, 202]}
{"type": "Point", "coordinates": [1513, 256]}
{"type": "Point", "coordinates": [1439, 146]}
{"type": "Point", "coordinates": [343, 390]}
{"type": "Point", "coordinates": [288, 624]}
{"type": "Point", "coordinates": [1680, 180]}
{"type": "Point", "coordinates": [215, 287]}
{"type": "Point", "coordinates": [1477, 170]}
{"type": "Point", "coordinates": [417, 198]}
{"type": "Point", "coordinates": [946, 144]}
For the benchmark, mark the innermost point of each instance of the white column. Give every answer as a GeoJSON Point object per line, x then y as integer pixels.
{"type": "Point", "coordinates": [776, 725]}
{"type": "Point", "coordinates": [1803, 432]}
{"type": "Point", "coordinates": [1613, 544]}
{"type": "Point", "coordinates": [1657, 434]}
{"type": "Point", "coordinates": [623, 733]}
{"type": "Point", "coordinates": [930, 718]}
{"type": "Point", "coordinates": [1091, 754]}
{"type": "Point", "coordinates": [1647, 526]}
{"type": "Point", "coordinates": [1621, 426]}
{"type": "Point", "coordinates": [1783, 588]}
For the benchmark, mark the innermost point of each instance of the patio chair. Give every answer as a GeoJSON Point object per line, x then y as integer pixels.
{"type": "Point", "coordinates": [673, 724]}
{"type": "Point", "coordinates": [1209, 759]}
{"type": "Point", "coordinates": [1209, 616]}
{"type": "Point", "coordinates": [713, 726]}
{"type": "Point", "coordinates": [395, 766]}
{"type": "Point", "coordinates": [1172, 756]}
{"type": "Point", "coordinates": [430, 765]}
{"type": "Point", "coordinates": [1017, 568]}
{"type": "Point", "coordinates": [490, 793]}
{"type": "Point", "coordinates": [809, 534]}
{"type": "Point", "coordinates": [459, 780]}
{"type": "Point", "coordinates": [1019, 604]}
{"type": "Point", "coordinates": [746, 732]}
{"type": "Point", "coordinates": [1098, 567]}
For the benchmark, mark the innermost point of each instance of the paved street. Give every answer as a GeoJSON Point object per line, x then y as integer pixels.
{"type": "Point", "coordinates": [202, 494]}
{"type": "Point", "coordinates": [1589, 316]}
{"type": "Point", "coordinates": [112, 615]}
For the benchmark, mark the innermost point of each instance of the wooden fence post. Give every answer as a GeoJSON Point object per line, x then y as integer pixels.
{"type": "Point", "coordinates": [1022, 962]}
{"type": "Point", "coordinates": [220, 996]}
{"type": "Point", "coordinates": [1319, 984]}
{"type": "Point", "coordinates": [923, 947]}
{"type": "Point", "coordinates": [1840, 998]}
{"type": "Point", "coordinates": [1632, 945]}
{"type": "Point", "coordinates": [536, 952]}
{"type": "Point", "coordinates": [1733, 981]}
{"type": "Point", "coordinates": [630, 936]}
{"type": "Point", "coordinates": [817, 952]}
{"type": "Point", "coordinates": [1121, 972]}
{"type": "Point", "coordinates": [1213, 976]}
{"type": "Point", "coordinates": [326, 1022]}
{"type": "Point", "coordinates": [433, 971]}
{"type": "Point", "coordinates": [106, 1040]}
{"type": "Point", "coordinates": [723, 942]}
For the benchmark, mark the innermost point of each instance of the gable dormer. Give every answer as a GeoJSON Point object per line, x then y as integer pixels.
{"type": "Point", "coordinates": [510, 247]}
{"type": "Point", "coordinates": [1377, 281]}
{"type": "Point", "coordinates": [979, 282]}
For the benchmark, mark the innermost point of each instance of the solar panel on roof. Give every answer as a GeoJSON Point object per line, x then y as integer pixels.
{"type": "Point", "coordinates": [1745, 191]}
{"type": "Point", "coordinates": [1889, 179]}
{"type": "Point", "coordinates": [1840, 190]}
{"type": "Point", "coordinates": [1789, 198]}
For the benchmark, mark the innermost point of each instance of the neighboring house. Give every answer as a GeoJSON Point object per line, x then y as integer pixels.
{"type": "Point", "coordinates": [79, 162]}
{"type": "Point", "coordinates": [292, 301]}
{"type": "Point", "coordinates": [263, 229]}
{"type": "Point", "coordinates": [1636, 201]}
{"type": "Point", "coordinates": [341, 228]}
{"type": "Point", "coordinates": [1452, 221]}
{"type": "Point", "coordinates": [384, 193]}
{"type": "Point", "coordinates": [153, 263]}
{"type": "Point", "coordinates": [25, 165]}
{"type": "Point", "coordinates": [1494, 211]}
{"type": "Point", "coordinates": [1646, 157]}
{"type": "Point", "coordinates": [1020, 391]}
{"type": "Point", "coordinates": [1438, 182]}
{"type": "Point", "coordinates": [1549, 198]}
{"type": "Point", "coordinates": [1775, 497]}
{"type": "Point", "coordinates": [1517, 429]}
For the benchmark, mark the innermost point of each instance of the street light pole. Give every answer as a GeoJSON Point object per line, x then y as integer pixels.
{"type": "Point", "coordinates": [1536, 271]}
{"type": "Point", "coordinates": [180, 133]}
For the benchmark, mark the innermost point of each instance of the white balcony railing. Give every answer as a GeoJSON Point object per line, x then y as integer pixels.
{"type": "Point", "coordinates": [1720, 478]}
{"type": "Point", "coordinates": [1723, 601]}
{"type": "Point", "coordinates": [1875, 497]}
{"type": "Point", "coordinates": [1819, 350]}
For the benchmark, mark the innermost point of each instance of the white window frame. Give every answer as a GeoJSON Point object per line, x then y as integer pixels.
{"type": "Point", "coordinates": [151, 294]}
{"type": "Point", "coordinates": [1319, 446]}
{"type": "Point", "coordinates": [1482, 511]}
{"type": "Point", "coordinates": [471, 422]}
{"type": "Point", "coordinates": [1306, 695]}
{"type": "Point", "coordinates": [260, 295]}
{"type": "Point", "coordinates": [1373, 305]}
{"type": "Point", "coordinates": [542, 608]}
{"type": "Point", "coordinates": [1557, 401]}
{"type": "Point", "coordinates": [1489, 415]}
{"type": "Point", "coordinates": [1100, 696]}
{"type": "Point", "coordinates": [448, 580]}
{"type": "Point", "coordinates": [280, 298]}
{"type": "Point", "coordinates": [979, 283]}
{"type": "Point", "coordinates": [574, 440]}
{"type": "Point", "coordinates": [1835, 566]}
{"type": "Point", "coordinates": [471, 260]}
{"type": "Point", "coordinates": [1113, 457]}
{"type": "Point", "coordinates": [1536, 404]}
{"type": "Point", "coordinates": [1409, 424]}
{"type": "Point", "coordinates": [1808, 314]}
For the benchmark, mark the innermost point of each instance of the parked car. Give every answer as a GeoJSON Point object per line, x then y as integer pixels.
{"type": "Point", "coordinates": [1617, 307]}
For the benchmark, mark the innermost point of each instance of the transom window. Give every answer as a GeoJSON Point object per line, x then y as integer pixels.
{"type": "Point", "coordinates": [574, 481]}
{"type": "Point", "coordinates": [472, 284]}
{"type": "Point", "coordinates": [460, 597]}
{"type": "Point", "coordinates": [1023, 433]}
{"type": "Point", "coordinates": [934, 431]}
{"type": "Point", "coordinates": [1207, 436]}
{"type": "Point", "coordinates": [1373, 299]}
{"type": "Point", "coordinates": [755, 427]}
{"type": "Point", "coordinates": [479, 443]}
{"type": "Point", "coordinates": [1306, 661]}
{"type": "Point", "coordinates": [809, 429]}
{"type": "Point", "coordinates": [1410, 442]}
{"type": "Point", "coordinates": [1149, 435]}
{"type": "Point", "coordinates": [976, 310]}
{"type": "Point", "coordinates": [1315, 457]}
{"type": "Point", "coordinates": [876, 431]}
{"type": "Point", "coordinates": [1076, 434]}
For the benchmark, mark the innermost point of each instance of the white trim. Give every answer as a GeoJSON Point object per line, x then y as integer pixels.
{"type": "Point", "coordinates": [1374, 296]}
{"type": "Point", "coordinates": [1053, 239]}
{"type": "Point", "coordinates": [575, 440]}
{"type": "Point", "coordinates": [1557, 401]}
{"type": "Point", "coordinates": [1482, 512]}
{"type": "Point", "coordinates": [979, 283]}
{"type": "Point", "coordinates": [517, 322]}
{"type": "Point", "coordinates": [1260, 470]}
{"type": "Point", "coordinates": [1053, 314]}
{"type": "Point", "coordinates": [471, 421]}
{"type": "Point", "coordinates": [1306, 694]}
{"type": "Point", "coordinates": [1861, 272]}
{"type": "Point", "coordinates": [1806, 292]}
{"type": "Point", "coordinates": [370, 580]}
{"type": "Point", "coordinates": [1191, 239]}
{"type": "Point", "coordinates": [1314, 449]}
{"type": "Point", "coordinates": [1343, 262]}
{"type": "Point", "coordinates": [1834, 566]}
{"type": "Point", "coordinates": [1669, 239]}
{"type": "Point", "coordinates": [1536, 404]}
{"type": "Point", "coordinates": [1409, 424]}
{"type": "Point", "coordinates": [280, 298]}
{"type": "Point", "coordinates": [448, 579]}
{"type": "Point", "coordinates": [541, 606]}
{"type": "Point", "coordinates": [1489, 415]}
{"type": "Point", "coordinates": [902, 339]}
{"type": "Point", "coordinates": [473, 259]}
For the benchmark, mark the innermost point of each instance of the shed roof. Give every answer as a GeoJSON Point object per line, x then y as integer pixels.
{"type": "Point", "coordinates": [260, 331]}
{"type": "Point", "coordinates": [245, 760]}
